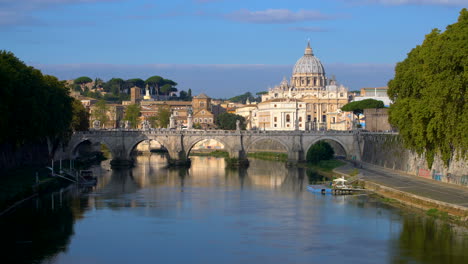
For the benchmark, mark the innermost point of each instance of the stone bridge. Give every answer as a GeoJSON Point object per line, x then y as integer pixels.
{"type": "Point", "coordinates": [179, 143]}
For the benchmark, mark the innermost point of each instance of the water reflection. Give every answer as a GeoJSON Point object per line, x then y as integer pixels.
{"type": "Point", "coordinates": [208, 213]}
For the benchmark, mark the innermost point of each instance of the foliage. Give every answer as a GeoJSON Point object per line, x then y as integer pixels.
{"type": "Point", "coordinates": [135, 82]}
{"type": "Point", "coordinates": [162, 119]}
{"type": "Point", "coordinates": [197, 126]}
{"type": "Point", "coordinates": [227, 121]}
{"type": "Point", "coordinates": [243, 98]}
{"type": "Point", "coordinates": [132, 114]}
{"type": "Point", "coordinates": [269, 156]}
{"type": "Point", "coordinates": [32, 106]}
{"type": "Point", "coordinates": [80, 120]}
{"type": "Point", "coordinates": [114, 86]}
{"type": "Point", "coordinates": [357, 107]}
{"type": "Point", "coordinates": [100, 112]}
{"type": "Point", "coordinates": [261, 93]}
{"type": "Point", "coordinates": [82, 80]}
{"type": "Point", "coordinates": [320, 151]}
{"type": "Point", "coordinates": [429, 91]}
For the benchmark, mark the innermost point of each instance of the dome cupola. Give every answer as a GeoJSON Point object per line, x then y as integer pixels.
{"type": "Point", "coordinates": [308, 64]}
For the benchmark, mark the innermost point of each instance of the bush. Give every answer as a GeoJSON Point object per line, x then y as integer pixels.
{"type": "Point", "coordinates": [320, 151]}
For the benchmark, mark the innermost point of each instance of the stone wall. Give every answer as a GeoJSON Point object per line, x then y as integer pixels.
{"type": "Point", "coordinates": [388, 151]}
{"type": "Point", "coordinates": [267, 145]}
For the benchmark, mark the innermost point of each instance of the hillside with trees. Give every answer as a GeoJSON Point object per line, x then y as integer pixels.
{"type": "Point", "coordinates": [429, 92]}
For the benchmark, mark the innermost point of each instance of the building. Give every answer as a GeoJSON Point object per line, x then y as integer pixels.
{"type": "Point", "coordinates": [318, 99]}
{"type": "Point", "coordinates": [179, 110]}
{"type": "Point", "coordinates": [202, 112]}
{"type": "Point", "coordinates": [114, 113]}
{"type": "Point", "coordinates": [376, 93]}
{"type": "Point", "coordinates": [135, 95]}
{"type": "Point", "coordinates": [377, 120]}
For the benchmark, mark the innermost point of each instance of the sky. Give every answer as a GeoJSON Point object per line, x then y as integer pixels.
{"type": "Point", "coordinates": [219, 47]}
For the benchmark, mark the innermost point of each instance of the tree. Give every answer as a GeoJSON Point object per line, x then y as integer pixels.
{"type": "Point", "coordinates": [156, 82]}
{"type": "Point", "coordinates": [132, 114]}
{"type": "Point", "coordinates": [33, 107]}
{"type": "Point", "coordinates": [81, 81]}
{"type": "Point", "coordinates": [80, 120]}
{"type": "Point", "coordinates": [135, 82]}
{"type": "Point", "coordinates": [227, 121]}
{"type": "Point", "coordinates": [164, 114]}
{"type": "Point", "coordinates": [114, 86]}
{"type": "Point", "coordinates": [357, 107]}
{"type": "Point", "coordinates": [429, 91]}
{"type": "Point", "coordinates": [189, 94]}
{"type": "Point", "coordinates": [320, 151]}
{"type": "Point", "coordinates": [183, 96]}
{"type": "Point", "coordinates": [242, 98]}
{"type": "Point", "coordinates": [100, 112]}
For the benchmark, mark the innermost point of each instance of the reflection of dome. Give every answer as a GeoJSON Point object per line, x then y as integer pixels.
{"type": "Point", "coordinates": [308, 63]}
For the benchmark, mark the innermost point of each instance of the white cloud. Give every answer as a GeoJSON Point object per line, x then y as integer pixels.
{"type": "Point", "coordinates": [275, 16]}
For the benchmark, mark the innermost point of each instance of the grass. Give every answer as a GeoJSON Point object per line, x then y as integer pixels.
{"type": "Point", "coordinates": [216, 153]}
{"type": "Point", "coordinates": [326, 165]}
{"type": "Point", "coordinates": [433, 212]}
{"type": "Point", "coordinates": [269, 156]}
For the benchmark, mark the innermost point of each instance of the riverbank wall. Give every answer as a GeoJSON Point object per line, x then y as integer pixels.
{"type": "Point", "coordinates": [31, 154]}
{"type": "Point", "coordinates": [387, 151]}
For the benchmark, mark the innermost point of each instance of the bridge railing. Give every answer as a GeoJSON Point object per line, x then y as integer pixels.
{"type": "Point", "coordinates": [163, 131]}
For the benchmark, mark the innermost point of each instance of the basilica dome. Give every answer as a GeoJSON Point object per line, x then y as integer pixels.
{"type": "Point", "coordinates": [308, 64]}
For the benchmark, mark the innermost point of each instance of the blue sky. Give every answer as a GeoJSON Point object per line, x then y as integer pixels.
{"type": "Point", "coordinates": [221, 47]}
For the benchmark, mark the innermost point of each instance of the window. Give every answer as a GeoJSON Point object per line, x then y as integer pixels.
{"type": "Point", "coordinates": [203, 112]}
{"type": "Point", "coordinates": [275, 105]}
{"type": "Point", "coordinates": [288, 118]}
{"type": "Point", "coordinates": [324, 118]}
{"type": "Point", "coordinates": [206, 120]}
{"type": "Point", "coordinates": [341, 94]}
{"type": "Point", "coordinates": [276, 119]}
{"type": "Point", "coordinates": [308, 117]}
{"type": "Point", "coordinates": [195, 120]}
{"type": "Point", "coordinates": [210, 120]}
{"type": "Point", "coordinates": [275, 125]}
{"type": "Point", "coordinates": [300, 119]}
{"type": "Point", "coordinates": [300, 125]}
{"type": "Point", "coordinates": [202, 104]}
{"type": "Point", "coordinates": [300, 105]}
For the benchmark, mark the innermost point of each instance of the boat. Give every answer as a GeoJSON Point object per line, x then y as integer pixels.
{"type": "Point", "coordinates": [338, 186]}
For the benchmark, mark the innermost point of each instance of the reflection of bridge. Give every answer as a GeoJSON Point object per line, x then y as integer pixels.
{"type": "Point", "coordinates": [237, 143]}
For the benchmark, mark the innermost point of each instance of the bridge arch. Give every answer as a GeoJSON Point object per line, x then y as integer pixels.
{"type": "Point", "coordinates": [252, 143]}
{"type": "Point", "coordinates": [332, 139]}
{"type": "Point", "coordinates": [193, 141]}
{"type": "Point", "coordinates": [75, 147]}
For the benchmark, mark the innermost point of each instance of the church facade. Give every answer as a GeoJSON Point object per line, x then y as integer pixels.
{"type": "Point", "coordinates": [309, 101]}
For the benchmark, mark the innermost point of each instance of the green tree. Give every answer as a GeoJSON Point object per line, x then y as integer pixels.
{"type": "Point", "coordinates": [81, 81]}
{"type": "Point", "coordinates": [114, 86]}
{"type": "Point", "coordinates": [227, 121]}
{"type": "Point", "coordinates": [156, 82]}
{"type": "Point", "coordinates": [357, 107]}
{"type": "Point", "coordinates": [100, 112]}
{"type": "Point", "coordinates": [429, 92]}
{"type": "Point", "coordinates": [135, 82]}
{"type": "Point", "coordinates": [33, 107]}
{"type": "Point", "coordinates": [242, 98]}
{"type": "Point", "coordinates": [183, 96]}
{"type": "Point", "coordinates": [189, 94]}
{"type": "Point", "coordinates": [80, 120]}
{"type": "Point", "coordinates": [320, 151]}
{"type": "Point", "coordinates": [164, 114]}
{"type": "Point", "coordinates": [132, 114]}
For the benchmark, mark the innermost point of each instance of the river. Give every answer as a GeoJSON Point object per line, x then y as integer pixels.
{"type": "Point", "coordinates": [209, 214]}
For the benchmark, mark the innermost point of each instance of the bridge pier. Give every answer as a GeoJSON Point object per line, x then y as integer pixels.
{"type": "Point", "coordinates": [178, 159]}
{"type": "Point", "coordinates": [121, 163]}
{"type": "Point", "coordinates": [237, 159]}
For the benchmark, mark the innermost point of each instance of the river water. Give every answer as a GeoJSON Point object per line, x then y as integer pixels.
{"type": "Point", "coordinates": [208, 214]}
